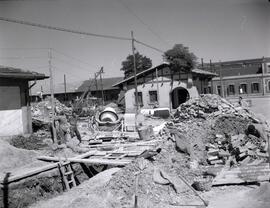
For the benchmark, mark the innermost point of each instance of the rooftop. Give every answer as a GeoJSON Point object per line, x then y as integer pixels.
{"type": "Point", "coordinates": [16, 73]}
{"type": "Point", "coordinates": [163, 65]}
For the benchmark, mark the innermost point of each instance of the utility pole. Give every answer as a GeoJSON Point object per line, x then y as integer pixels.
{"type": "Point", "coordinates": [101, 84]}
{"type": "Point", "coordinates": [135, 73]}
{"type": "Point", "coordinates": [221, 82]}
{"type": "Point", "coordinates": [52, 95]}
{"type": "Point", "coordinates": [65, 88]}
{"type": "Point", "coordinates": [202, 62]}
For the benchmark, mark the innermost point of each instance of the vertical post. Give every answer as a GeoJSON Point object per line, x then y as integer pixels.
{"type": "Point", "coordinates": [52, 95]}
{"type": "Point", "coordinates": [157, 85]}
{"type": "Point", "coordinates": [211, 69]}
{"type": "Point", "coordinates": [5, 190]}
{"type": "Point", "coordinates": [96, 83]}
{"type": "Point", "coordinates": [220, 77]}
{"type": "Point", "coordinates": [135, 73]}
{"type": "Point", "coordinates": [202, 62]}
{"type": "Point", "coordinates": [101, 85]}
{"type": "Point", "coordinates": [41, 92]}
{"type": "Point", "coordinates": [65, 88]}
{"type": "Point", "coordinates": [263, 68]}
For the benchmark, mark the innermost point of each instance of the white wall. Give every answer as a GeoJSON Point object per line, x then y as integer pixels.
{"type": "Point", "coordinates": [11, 122]}
{"type": "Point", "coordinates": [164, 93]}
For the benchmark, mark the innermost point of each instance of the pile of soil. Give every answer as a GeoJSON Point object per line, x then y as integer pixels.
{"type": "Point", "coordinates": [12, 158]}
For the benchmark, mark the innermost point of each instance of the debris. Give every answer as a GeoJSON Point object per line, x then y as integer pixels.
{"type": "Point", "coordinates": [243, 174]}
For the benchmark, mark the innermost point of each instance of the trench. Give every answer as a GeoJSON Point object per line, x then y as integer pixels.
{"type": "Point", "coordinates": [40, 187]}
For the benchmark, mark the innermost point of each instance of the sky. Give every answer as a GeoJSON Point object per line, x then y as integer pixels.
{"type": "Point", "coordinates": [212, 29]}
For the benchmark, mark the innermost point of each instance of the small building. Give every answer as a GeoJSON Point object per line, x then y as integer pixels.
{"type": "Point", "coordinates": [164, 87]}
{"type": "Point", "coordinates": [15, 110]}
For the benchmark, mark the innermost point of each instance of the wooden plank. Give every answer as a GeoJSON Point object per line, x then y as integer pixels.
{"type": "Point", "coordinates": [243, 174]}
{"type": "Point", "coordinates": [94, 161]}
{"type": "Point", "coordinates": [42, 169]}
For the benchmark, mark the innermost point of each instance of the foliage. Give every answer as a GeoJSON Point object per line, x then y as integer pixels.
{"type": "Point", "coordinates": [142, 63]}
{"type": "Point", "coordinates": [180, 57]}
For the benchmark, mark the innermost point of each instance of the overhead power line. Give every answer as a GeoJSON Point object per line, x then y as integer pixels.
{"type": "Point", "coordinates": [71, 57]}
{"type": "Point", "coordinates": [21, 57]}
{"type": "Point", "coordinates": [62, 29]}
{"type": "Point", "coordinates": [149, 46]}
{"type": "Point", "coordinates": [143, 22]}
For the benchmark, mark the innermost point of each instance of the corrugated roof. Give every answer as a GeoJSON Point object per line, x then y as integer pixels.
{"type": "Point", "coordinates": [10, 72]}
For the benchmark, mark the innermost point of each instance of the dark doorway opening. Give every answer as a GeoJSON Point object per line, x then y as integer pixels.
{"type": "Point", "coordinates": [178, 96]}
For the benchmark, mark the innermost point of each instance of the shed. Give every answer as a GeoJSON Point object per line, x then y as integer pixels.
{"type": "Point", "coordinates": [15, 110]}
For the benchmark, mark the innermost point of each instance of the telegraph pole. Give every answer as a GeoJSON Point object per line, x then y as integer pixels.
{"type": "Point", "coordinates": [221, 81]}
{"type": "Point", "coordinates": [101, 84]}
{"type": "Point", "coordinates": [52, 95]}
{"type": "Point", "coordinates": [65, 87]}
{"type": "Point", "coordinates": [135, 73]}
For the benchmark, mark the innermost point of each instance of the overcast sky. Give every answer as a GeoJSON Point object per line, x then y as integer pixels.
{"type": "Point", "coordinates": [212, 29]}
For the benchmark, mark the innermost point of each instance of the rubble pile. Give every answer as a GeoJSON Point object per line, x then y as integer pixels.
{"type": "Point", "coordinates": [237, 149]}
{"type": "Point", "coordinates": [43, 110]}
{"type": "Point", "coordinates": [209, 104]}
{"type": "Point", "coordinates": [153, 190]}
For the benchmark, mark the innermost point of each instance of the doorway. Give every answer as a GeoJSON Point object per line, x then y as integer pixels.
{"type": "Point", "coordinates": [178, 96]}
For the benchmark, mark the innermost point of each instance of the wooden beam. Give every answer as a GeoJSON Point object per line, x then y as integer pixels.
{"type": "Point", "coordinates": [42, 169]}
{"type": "Point", "coordinates": [94, 161]}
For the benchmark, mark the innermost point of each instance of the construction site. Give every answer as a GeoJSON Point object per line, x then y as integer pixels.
{"type": "Point", "coordinates": [103, 104]}
{"type": "Point", "coordinates": [208, 153]}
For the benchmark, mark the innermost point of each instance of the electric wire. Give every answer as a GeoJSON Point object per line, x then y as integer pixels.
{"type": "Point", "coordinates": [141, 21]}
{"type": "Point", "coordinates": [149, 46]}
{"type": "Point", "coordinates": [71, 57]}
{"type": "Point", "coordinates": [22, 22]}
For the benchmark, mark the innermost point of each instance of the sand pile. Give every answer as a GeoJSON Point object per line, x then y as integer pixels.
{"type": "Point", "coordinates": [12, 157]}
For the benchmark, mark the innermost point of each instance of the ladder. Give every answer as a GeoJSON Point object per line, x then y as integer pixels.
{"type": "Point", "coordinates": [67, 174]}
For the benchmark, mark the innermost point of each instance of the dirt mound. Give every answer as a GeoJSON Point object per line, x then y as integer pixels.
{"type": "Point", "coordinates": [230, 125]}
{"type": "Point", "coordinates": [12, 157]}
{"type": "Point", "coordinates": [88, 194]}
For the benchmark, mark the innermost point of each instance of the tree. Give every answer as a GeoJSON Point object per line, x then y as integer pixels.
{"type": "Point", "coordinates": [181, 58]}
{"type": "Point", "coordinates": [142, 63]}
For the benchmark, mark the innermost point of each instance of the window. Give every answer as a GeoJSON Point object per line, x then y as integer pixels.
{"type": "Point", "coordinates": [140, 98]}
{"type": "Point", "coordinates": [255, 87]}
{"type": "Point", "coordinates": [153, 96]}
{"type": "Point", "coordinates": [231, 89]}
{"type": "Point", "coordinates": [219, 90]}
{"type": "Point", "coordinates": [268, 85]}
{"type": "Point", "coordinates": [243, 89]}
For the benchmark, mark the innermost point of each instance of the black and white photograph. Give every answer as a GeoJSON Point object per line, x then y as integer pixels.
{"type": "Point", "coordinates": [134, 103]}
